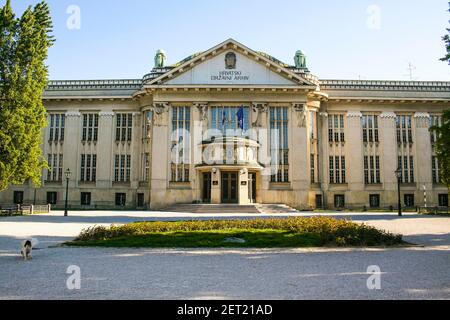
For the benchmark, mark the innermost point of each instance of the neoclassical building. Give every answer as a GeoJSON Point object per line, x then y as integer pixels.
{"type": "Point", "coordinates": [234, 125]}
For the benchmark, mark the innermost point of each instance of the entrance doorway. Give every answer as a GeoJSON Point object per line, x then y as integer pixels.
{"type": "Point", "coordinates": [206, 196]}
{"type": "Point", "coordinates": [229, 187]}
{"type": "Point", "coordinates": [252, 187]}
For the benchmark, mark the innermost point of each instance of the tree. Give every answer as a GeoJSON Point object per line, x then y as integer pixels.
{"type": "Point", "coordinates": [442, 147]}
{"type": "Point", "coordinates": [446, 39]}
{"type": "Point", "coordinates": [24, 44]}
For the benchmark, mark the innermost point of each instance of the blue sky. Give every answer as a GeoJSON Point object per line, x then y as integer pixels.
{"type": "Point", "coordinates": [347, 39]}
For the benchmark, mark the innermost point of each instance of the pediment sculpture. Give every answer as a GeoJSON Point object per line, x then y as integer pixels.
{"type": "Point", "coordinates": [300, 111]}
{"type": "Point", "coordinates": [258, 110]}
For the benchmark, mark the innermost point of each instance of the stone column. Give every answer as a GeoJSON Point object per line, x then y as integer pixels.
{"type": "Point", "coordinates": [105, 158]}
{"type": "Point", "coordinates": [71, 147]}
{"type": "Point", "coordinates": [136, 165]}
{"type": "Point", "coordinates": [160, 153]}
{"type": "Point", "coordinates": [299, 156]}
{"type": "Point", "coordinates": [200, 118]}
{"type": "Point", "coordinates": [354, 160]}
{"type": "Point", "coordinates": [243, 187]}
{"type": "Point", "coordinates": [260, 123]}
{"type": "Point", "coordinates": [423, 165]}
{"type": "Point", "coordinates": [388, 157]}
{"type": "Point", "coordinates": [215, 186]}
{"type": "Point", "coordinates": [323, 157]}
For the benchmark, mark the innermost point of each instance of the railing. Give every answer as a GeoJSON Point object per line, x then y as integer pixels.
{"type": "Point", "coordinates": [434, 210]}
{"type": "Point", "coordinates": [17, 209]}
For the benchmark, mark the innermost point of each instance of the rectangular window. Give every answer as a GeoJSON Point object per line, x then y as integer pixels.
{"type": "Point", "coordinates": [372, 170]}
{"type": "Point", "coordinates": [370, 128]}
{"type": "Point", "coordinates": [18, 197]}
{"type": "Point", "coordinates": [122, 168]}
{"type": "Point", "coordinates": [337, 170]}
{"type": "Point", "coordinates": [146, 173]}
{"type": "Point", "coordinates": [55, 163]}
{"type": "Point", "coordinates": [406, 164]}
{"type": "Point", "coordinates": [52, 197]}
{"type": "Point", "coordinates": [319, 201]}
{"type": "Point", "coordinates": [443, 200]}
{"type": "Point", "coordinates": [225, 118]}
{"type": "Point", "coordinates": [124, 127]}
{"type": "Point", "coordinates": [404, 129]}
{"type": "Point", "coordinates": [336, 128]}
{"type": "Point", "coordinates": [279, 142]}
{"type": "Point", "coordinates": [88, 170]}
{"type": "Point", "coordinates": [339, 201]}
{"type": "Point", "coordinates": [374, 200]}
{"type": "Point", "coordinates": [331, 170]}
{"type": "Point", "coordinates": [85, 198]}
{"type": "Point", "coordinates": [140, 200]}
{"type": "Point", "coordinates": [121, 199]}
{"type": "Point", "coordinates": [57, 123]}
{"type": "Point", "coordinates": [435, 121]}
{"type": "Point", "coordinates": [435, 170]}
{"type": "Point", "coordinates": [409, 200]}
{"type": "Point", "coordinates": [312, 166]}
{"type": "Point", "coordinates": [181, 127]}
{"type": "Point", "coordinates": [90, 127]}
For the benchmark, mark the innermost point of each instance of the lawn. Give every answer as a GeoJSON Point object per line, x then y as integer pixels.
{"type": "Point", "coordinates": [258, 233]}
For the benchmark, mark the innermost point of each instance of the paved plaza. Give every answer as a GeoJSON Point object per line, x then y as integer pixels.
{"type": "Point", "coordinates": [417, 272]}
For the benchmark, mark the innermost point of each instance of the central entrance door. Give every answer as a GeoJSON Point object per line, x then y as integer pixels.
{"type": "Point", "coordinates": [229, 187]}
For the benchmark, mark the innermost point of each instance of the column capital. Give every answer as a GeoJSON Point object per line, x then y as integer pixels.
{"type": "Point", "coordinates": [418, 115]}
{"type": "Point", "coordinates": [106, 114]}
{"type": "Point", "coordinates": [388, 115]}
{"type": "Point", "coordinates": [354, 114]}
{"type": "Point", "coordinates": [323, 114]}
{"type": "Point", "coordinates": [73, 114]}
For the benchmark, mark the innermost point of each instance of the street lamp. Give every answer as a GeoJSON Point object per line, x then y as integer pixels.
{"type": "Point", "coordinates": [398, 173]}
{"type": "Point", "coordinates": [67, 173]}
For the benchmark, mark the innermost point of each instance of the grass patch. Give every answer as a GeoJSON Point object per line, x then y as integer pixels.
{"type": "Point", "coordinates": [259, 233]}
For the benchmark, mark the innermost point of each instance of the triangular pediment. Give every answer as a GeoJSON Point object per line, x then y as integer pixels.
{"type": "Point", "coordinates": [230, 63]}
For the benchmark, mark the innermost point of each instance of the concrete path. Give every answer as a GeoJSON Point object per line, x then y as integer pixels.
{"type": "Point", "coordinates": [421, 272]}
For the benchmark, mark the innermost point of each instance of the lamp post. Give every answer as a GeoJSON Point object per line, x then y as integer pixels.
{"type": "Point", "coordinates": [67, 173]}
{"type": "Point", "coordinates": [398, 173]}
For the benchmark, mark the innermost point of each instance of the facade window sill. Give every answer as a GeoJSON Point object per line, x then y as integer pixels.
{"type": "Point", "coordinates": [121, 184]}
{"type": "Point", "coordinates": [180, 185]}
{"type": "Point", "coordinates": [280, 186]}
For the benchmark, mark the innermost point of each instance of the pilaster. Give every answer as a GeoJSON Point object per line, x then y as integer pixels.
{"type": "Point", "coordinates": [354, 158]}
{"type": "Point", "coordinates": [423, 165]}
{"type": "Point", "coordinates": [105, 158]}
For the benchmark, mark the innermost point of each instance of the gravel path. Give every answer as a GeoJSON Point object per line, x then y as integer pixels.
{"type": "Point", "coordinates": [421, 272]}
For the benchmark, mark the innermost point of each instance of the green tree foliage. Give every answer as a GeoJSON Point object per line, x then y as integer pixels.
{"type": "Point", "coordinates": [442, 147]}
{"type": "Point", "coordinates": [446, 39]}
{"type": "Point", "coordinates": [24, 44]}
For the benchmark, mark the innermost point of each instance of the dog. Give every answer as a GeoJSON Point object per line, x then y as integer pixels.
{"type": "Point", "coordinates": [26, 248]}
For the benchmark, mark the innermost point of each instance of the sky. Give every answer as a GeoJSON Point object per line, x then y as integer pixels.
{"type": "Point", "coordinates": [348, 39]}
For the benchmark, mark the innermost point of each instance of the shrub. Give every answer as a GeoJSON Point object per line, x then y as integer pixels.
{"type": "Point", "coordinates": [330, 231]}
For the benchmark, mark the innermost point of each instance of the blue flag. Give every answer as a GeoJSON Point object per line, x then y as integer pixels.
{"type": "Point", "coordinates": [240, 116]}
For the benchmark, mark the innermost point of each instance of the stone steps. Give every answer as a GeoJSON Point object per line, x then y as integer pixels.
{"type": "Point", "coordinates": [230, 208]}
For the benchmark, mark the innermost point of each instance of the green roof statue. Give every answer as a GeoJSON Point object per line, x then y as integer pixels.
{"type": "Point", "coordinates": [160, 59]}
{"type": "Point", "coordinates": [300, 60]}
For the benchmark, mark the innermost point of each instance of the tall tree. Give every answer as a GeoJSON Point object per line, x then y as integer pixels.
{"type": "Point", "coordinates": [24, 44]}
{"type": "Point", "coordinates": [442, 147]}
{"type": "Point", "coordinates": [446, 39]}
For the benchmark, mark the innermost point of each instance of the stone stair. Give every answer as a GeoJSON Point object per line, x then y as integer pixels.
{"type": "Point", "coordinates": [230, 208]}
{"type": "Point", "coordinates": [275, 208]}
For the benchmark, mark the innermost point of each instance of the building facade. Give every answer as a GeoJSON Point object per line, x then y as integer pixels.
{"type": "Point", "coordinates": [233, 125]}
